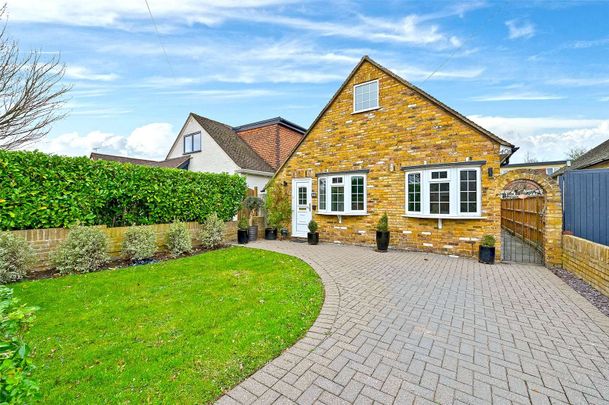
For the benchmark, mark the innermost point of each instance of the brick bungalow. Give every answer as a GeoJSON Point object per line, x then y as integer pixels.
{"type": "Point", "coordinates": [383, 145]}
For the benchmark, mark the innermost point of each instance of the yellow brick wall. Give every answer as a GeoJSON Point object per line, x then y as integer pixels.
{"type": "Point", "coordinates": [407, 130]}
{"type": "Point", "coordinates": [587, 260]}
{"type": "Point", "coordinates": [44, 241]}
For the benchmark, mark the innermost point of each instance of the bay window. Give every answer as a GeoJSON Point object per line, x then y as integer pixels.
{"type": "Point", "coordinates": [342, 193]}
{"type": "Point", "coordinates": [453, 191]}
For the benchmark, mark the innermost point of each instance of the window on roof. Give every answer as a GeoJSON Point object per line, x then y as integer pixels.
{"type": "Point", "coordinates": [192, 143]}
{"type": "Point", "coordinates": [366, 96]}
{"type": "Point", "coordinates": [343, 194]}
{"type": "Point", "coordinates": [444, 193]}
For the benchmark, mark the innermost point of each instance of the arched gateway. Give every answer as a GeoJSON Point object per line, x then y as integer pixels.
{"type": "Point", "coordinates": [531, 216]}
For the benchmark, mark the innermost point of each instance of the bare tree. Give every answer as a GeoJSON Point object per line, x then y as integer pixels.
{"type": "Point", "coordinates": [31, 95]}
{"type": "Point", "coordinates": [528, 158]}
{"type": "Point", "coordinates": [575, 152]}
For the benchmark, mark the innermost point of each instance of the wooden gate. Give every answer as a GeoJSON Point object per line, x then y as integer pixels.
{"type": "Point", "coordinates": [522, 229]}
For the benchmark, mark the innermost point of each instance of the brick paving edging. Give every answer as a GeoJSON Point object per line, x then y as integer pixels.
{"type": "Point", "coordinates": [257, 383]}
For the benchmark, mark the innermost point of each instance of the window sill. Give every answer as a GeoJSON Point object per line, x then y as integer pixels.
{"type": "Point", "coordinates": [190, 153]}
{"type": "Point", "coordinates": [366, 110]}
{"type": "Point", "coordinates": [427, 216]}
{"type": "Point", "coordinates": [343, 214]}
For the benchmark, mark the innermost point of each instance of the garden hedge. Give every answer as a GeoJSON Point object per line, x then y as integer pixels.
{"type": "Point", "coordinates": [47, 191]}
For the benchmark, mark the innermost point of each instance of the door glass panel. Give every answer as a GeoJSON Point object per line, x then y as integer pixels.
{"type": "Point", "coordinates": [302, 196]}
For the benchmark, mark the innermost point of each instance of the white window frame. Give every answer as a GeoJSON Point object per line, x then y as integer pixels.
{"type": "Point", "coordinates": [378, 102]}
{"type": "Point", "coordinates": [420, 173]}
{"type": "Point", "coordinates": [454, 180]}
{"type": "Point", "coordinates": [550, 171]}
{"type": "Point", "coordinates": [346, 184]}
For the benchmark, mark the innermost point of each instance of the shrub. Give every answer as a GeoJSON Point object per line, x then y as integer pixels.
{"type": "Point", "coordinates": [84, 250]}
{"type": "Point", "coordinates": [242, 223]}
{"type": "Point", "coordinates": [16, 257]}
{"type": "Point", "coordinates": [488, 241]}
{"type": "Point", "coordinates": [313, 226]}
{"type": "Point", "coordinates": [178, 239]}
{"type": "Point", "coordinates": [16, 384]}
{"type": "Point", "coordinates": [139, 243]}
{"type": "Point", "coordinates": [383, 224]}
{"type": "Point", "coordinates": [47, 191]}
{"type": "Point", "coordinates": [252, 204]}
{"type": "Point", "coordinates": [278, 206]}
{"type": "Point", "coordinates": [212, 231]}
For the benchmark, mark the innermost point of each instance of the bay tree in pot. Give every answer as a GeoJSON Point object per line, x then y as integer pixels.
{"type": "Point", "coordinates": [313, 235]}
{"type": "Point", "coordinates": [242, 234]}
{"type": "Point", "coordinates": [252, 204]}
{"type": "Point", "coordinates": [382, 234]}
{"type": "Point", "coordinates": [486, 252]}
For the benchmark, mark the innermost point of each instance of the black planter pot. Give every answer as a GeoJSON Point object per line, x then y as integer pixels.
{"type": "Point", "coordinates": [486, 254]}
{"type": "Point", "coordinates": [242, 236]}
{"type": "Point", "coordinates": [382, 241]}
{"type": "Point", "coordinates": [252, 233]}
{"type": "Point", "coordinates": [284, 233]}
{"type": "Point", "coordinates": [313, 238]}
{"type": "Point", "coordinates": [270, 233]}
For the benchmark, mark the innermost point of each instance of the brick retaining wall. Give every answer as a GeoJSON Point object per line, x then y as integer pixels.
{"type": "Point", "coordinates": [587, 260]}
{"type": "Point", "coordinates": [44, 241]}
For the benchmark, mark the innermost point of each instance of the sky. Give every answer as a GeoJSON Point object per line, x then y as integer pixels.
{"type": "Point", "coordinates": [536, 73]}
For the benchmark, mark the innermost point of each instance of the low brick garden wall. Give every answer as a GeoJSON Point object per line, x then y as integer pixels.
{"type": "Point", "coordinates": [587, 260]}
{"type": "Point", "coordinates": [44, 241]}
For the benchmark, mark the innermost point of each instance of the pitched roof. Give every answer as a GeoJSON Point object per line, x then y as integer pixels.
{"type": "Point", "coordinates": [533, 164]}
{"type": "Point", "coordinates": [595, 155]}
{"type": "Point", "coordinates": [168, 163]}
{"type": "Point", "coordinates": [236, 148]}
{"type": "Point", "coordinates": [411, 86]}
{"type": "Point", "coordinates": [271, 121]}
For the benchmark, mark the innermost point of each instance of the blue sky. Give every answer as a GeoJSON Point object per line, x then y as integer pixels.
{"type": "Point", "coordinates": [534, 72]}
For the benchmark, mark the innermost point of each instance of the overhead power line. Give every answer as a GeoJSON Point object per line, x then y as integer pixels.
{"type": "Point", "coordinates": [158, 35]}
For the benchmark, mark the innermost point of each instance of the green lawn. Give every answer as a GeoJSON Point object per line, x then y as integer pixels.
{"type": "Point", "coordinates": [181, 331]}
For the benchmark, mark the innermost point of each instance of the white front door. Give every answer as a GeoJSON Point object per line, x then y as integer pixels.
{"type": "Point", "coordinates": [301, 207]}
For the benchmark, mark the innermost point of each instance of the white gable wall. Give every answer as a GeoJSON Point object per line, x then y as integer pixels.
{"type": "Point", "coordinates": [212, 157]}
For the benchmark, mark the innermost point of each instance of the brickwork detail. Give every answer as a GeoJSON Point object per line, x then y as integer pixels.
{"type": "Point", "coordinates": [406, 130]}
{"type": "Point", "coordinates": [587, 260]}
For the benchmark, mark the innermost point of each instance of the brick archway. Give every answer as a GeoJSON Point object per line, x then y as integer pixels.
{"type": "Point", "coordinates": [552, 238]}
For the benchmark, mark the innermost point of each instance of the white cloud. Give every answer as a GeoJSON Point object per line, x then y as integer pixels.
{"type": "Point", "coordinates": [520, 29]}
{"type": "Point", "coordinates": [525, 96]}
{"type": "Point", "coordinates": [579, 81]}
{"type": "Point", "coordinates": [606, 98]}
{"type": "Point", "coordinates": [150, 141]}
{"type": "Point", "coordinates": [83, 73]}
{"type": "Point", "coordinates": [547, 138]}
{"type": "Point", "coordinates": [225, 94]}
{"type": "Point", "coordinates": [417, 73]}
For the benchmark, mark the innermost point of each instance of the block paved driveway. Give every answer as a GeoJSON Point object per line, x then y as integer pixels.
{"type": "Point", "coordinates": [404, 327]}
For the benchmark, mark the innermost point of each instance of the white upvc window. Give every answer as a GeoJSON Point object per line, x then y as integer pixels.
{"type": "Point", "coordinates": [444, 192]}
{"type": "Point", "coordinates": [192, 143]}
{"type": "Point", "coordinates": [342, 194]}
{"type": "Point", "coordinates": [366, 96]}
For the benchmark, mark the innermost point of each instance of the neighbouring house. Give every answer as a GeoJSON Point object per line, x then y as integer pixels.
{"type": "Point", "coordinates": [547, 168]}
{"type": "Point", "coordinates": [381, 145]}
{"type": "Point", "coordinates": [253, 150]}
{"type": "Point", "coordinates": [595, 158]}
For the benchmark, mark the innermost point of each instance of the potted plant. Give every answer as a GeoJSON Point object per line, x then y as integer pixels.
{"type": "Point", "coordinates": [270, 232]}
{"type": "Point", "coordinates": [278, 207]}
{"type": "Point", "coordinates": [486, 252]}
{"type": "Point", "coordinates": [313, 235]}
{"type": "Point", "coordinates": [242, 237]}
{"type": "Point", "coordinates": [382, 234]}
{"type": "Point", "coordinates": [252, 204]}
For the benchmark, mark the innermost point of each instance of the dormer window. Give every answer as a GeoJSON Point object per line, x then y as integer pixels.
{"type": "Point", "coordinates": [192, 143]}
{"type": "Point", "coordinates": [366, 96]}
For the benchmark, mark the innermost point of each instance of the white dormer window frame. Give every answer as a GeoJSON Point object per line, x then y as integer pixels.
{"type": "Point", "coordinates": [191, 143]}
{"type": "Point", "coordinates": [363, 89]}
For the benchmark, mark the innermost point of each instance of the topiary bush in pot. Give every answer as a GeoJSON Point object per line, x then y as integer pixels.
{"type": "Point", "coordinates": [85, 249]}
{"type": "Point", "coordinates": [212, 232]}
{"type": "Point", "coordinates": [139, 243]}
{"type": "Point", "coordinates": [313, 235]}
{"type": "Point", "coordinates": [486, 251]}
{"type": "Point", "coordinates": [242, 234]}
{"type": "Point", "coordinates": [252, 205]}
{"type": "Point", "coordinates": [16, 257]}
{"type": "Point", "coordinates": [382, 233]}
{"type": "Point", "coordinates": [178, 240]}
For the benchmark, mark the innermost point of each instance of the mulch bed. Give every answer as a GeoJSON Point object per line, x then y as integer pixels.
{"type": "Point", "coordinates": [595, 297]}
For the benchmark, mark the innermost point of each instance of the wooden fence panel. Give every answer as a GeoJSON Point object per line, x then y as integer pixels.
{"type": "Point", "coordinates": [523, 217]}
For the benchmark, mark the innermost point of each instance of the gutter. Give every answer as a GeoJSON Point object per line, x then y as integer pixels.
{"type": "Point", "coordinates": [255, 172]}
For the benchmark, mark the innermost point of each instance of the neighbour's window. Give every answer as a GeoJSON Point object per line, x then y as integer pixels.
{"type": "Point", "coordinates": [550, 171]}
{"type": "Point", "coordinates": [444, 193]}
{"type": "Point", "coordinates": [192, 143]}
{"type": "Point", "coordinates": [366, 96]}
{"type": "Point", "coordinates": [414, 192]}
{"type": "Point", "coordinates": [346, 194]}
{"type": "Point", "coordinates": [322, 193]}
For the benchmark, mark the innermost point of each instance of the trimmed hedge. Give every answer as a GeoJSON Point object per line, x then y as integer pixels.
{"type": "Point", "coordinates": [47, 191]}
